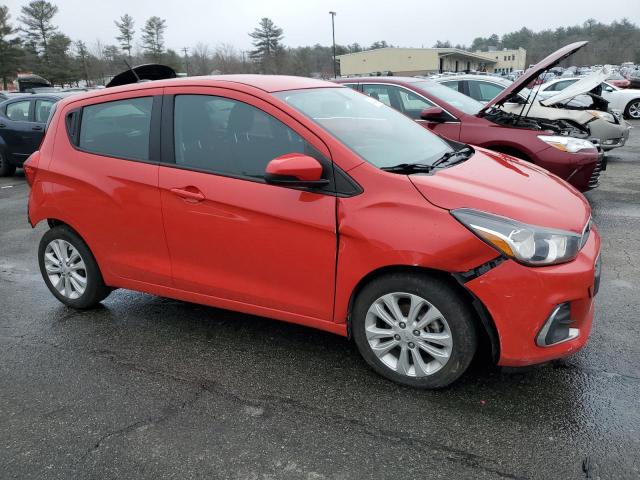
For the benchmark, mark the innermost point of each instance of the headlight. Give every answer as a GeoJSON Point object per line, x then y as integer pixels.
{"type": "Point", "coordinates": [528, 244]}
{"type": "Point", "coordinates": [603, 115]}
{"type": "Point", "coordinates": [567, 144]}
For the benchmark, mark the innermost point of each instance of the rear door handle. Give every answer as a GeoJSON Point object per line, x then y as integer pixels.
{"type": "Point", "coordinates": [2, 125]}
{"type": "Point", "coordinates": [37, 128]}
{"type": "Point", "coordinates": [195, 196]}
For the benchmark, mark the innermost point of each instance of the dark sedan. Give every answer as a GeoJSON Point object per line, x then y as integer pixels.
{"type": "Point", "coordinates": [23, 120]}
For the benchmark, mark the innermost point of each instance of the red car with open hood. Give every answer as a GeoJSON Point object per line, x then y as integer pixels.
{"type": "Point", "coordinates": [307, 202]}
{"type": "Point", "coordinates": [560, 146]}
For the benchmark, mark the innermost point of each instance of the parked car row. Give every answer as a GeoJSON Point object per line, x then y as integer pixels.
{"type": "Point", "coordinates": [508, 119]}
{"type": "Point", "coordinates": [312, 203]}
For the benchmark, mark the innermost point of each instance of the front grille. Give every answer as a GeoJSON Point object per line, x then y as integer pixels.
{"type": "Point", "coordinates": [595, 175]}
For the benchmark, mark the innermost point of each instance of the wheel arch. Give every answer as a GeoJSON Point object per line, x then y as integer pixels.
{"type": "Point", "coordinates": [489, 338]}
{"type": "Point", "coordinates": [626, 107]}
{"type": "Point", "coordinates": [508, 149]}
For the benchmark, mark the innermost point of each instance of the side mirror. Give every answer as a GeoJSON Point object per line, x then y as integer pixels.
{"type": "Point", "coordinates": [434, 114]}
{"type": "Point", "coordinates": [295, 170]}
{"type": "Point", "coordinates": [608, 89]}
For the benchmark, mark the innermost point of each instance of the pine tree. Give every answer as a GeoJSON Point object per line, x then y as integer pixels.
{"type": "Point", "coordinates": [10, 52]}
{"type": "Point", "coordinates": [38, 28]}
{"type": "Point", "coordinates": [153, 38]}
{"type": "Point", "coordinates": [268, 49]}
{"type": "Point", "coordinates": [127, 32]}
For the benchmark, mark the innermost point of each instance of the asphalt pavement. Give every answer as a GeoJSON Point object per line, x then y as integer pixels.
{"type": "Point", "coordinates": [147, 387]}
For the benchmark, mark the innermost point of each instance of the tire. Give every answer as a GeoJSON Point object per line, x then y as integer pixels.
{"type": "Point", "coordinates": [447, 313]}
{"type": "Point", "coordinates": [632, 109]}
{"type": "Point", "coordinates": [58, 244]}
{"type": "Point", "coordinates": [6, 170]}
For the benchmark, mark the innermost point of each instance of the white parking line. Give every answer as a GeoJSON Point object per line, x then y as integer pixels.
{"type": "Point", "coordinates": [7, 186]}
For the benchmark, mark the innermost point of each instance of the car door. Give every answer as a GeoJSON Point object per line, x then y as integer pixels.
{"type": "Point", "coordinates": [230, 234]}
{"type": "Point", "coordinates": [106, 183]}
{"type": "Point", "coordinates": [16, 130]}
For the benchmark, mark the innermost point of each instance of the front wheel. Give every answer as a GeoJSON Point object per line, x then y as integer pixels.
{"type": "Point", "coordinates": [633, 109]}
{"type": "Point", "coordinates": [70, 270]}
{"type": "Point", "coordinates": [6, 170]}
{"type": "Point", "coordinates": [415, 330]}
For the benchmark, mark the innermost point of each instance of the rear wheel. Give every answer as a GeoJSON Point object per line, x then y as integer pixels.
{"type": "Point", "coordinates": [70, 270]}
{"type": "Point", "coordinates": [6, 170]}
{"type": "Point", "coordinates": [414, 330]}
{"type": "Point", "coordinates": [633, 109]}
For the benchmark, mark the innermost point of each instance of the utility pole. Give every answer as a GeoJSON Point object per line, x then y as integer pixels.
{"type": "Point", "coordinates": [333, 31]}
{"type": "Point", "coordinates": [186, 60]}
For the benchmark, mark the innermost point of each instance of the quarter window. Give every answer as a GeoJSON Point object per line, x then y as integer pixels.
{"type": "Point", "coordinates": [226, 136]}
{"type": "Point", "coordinates": [18, 111]}
{"type": "Point", "coordinates": [117, 129]}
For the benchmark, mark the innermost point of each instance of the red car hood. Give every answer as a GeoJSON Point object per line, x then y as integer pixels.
{"type": "Point", "coordinates": [532, 73]}
{"type": "Point", "coordinates": [497, 183]}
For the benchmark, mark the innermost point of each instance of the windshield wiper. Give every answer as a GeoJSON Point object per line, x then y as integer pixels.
{"type": "Point", "coordinates": [409, 168]}
{"type": "Point", "coordinates": [465, 151]}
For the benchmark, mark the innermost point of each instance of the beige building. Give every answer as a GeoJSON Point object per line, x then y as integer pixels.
{"type": "Point", "coordinates": [507, 60]}
{"type": "Point", "coordinates": [420, 61]}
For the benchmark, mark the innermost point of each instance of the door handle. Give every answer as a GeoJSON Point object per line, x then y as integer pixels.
{"type": "Point", "coordinates": [196, 196]}
{"type": "Point", "coordinates": [37, 128]}
{"type": "Point", "coordinates": [2, 125]}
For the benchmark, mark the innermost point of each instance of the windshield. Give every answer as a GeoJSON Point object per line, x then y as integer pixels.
{"type": "Point", "coordinates": [377, 133]}
{"type": "Point", "coordinates": [452, 97]}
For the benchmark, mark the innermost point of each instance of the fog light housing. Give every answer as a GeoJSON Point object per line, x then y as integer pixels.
{"type": "Point", "coordinates": [557, 329]}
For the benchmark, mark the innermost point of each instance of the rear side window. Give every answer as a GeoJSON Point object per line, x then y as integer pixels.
{"type": "Point", "coordinates": [18, 111]}
{"type": "Point", "coordinates": [484, 91]}
{"type": "Point", "coordinates": [117, 129]}
{"type": "Point", "coordinates": [43, 109]}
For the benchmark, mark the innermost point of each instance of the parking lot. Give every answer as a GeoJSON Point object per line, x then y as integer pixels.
{"type": "Point", "coordinates": [146, 387]}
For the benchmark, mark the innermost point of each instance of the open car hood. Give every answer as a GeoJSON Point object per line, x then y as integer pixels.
{"type": "Point", "coordinates": [583, 85]}
{"type": "Point", "coordinates": [143, 73]}
{"type": "Point", "coordinates": [533, 73]}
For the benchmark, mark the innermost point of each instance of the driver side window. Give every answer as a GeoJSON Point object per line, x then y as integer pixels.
{"type": "Point", "coordinates": [226, 136]}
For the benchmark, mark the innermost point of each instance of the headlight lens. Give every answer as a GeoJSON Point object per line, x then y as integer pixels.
{"type": "Point", "coordinates": [528, 244]}
{"type": "Point", "coordinates": [603, 115]}
{"type": "Point", "coordinates": [567, 144]}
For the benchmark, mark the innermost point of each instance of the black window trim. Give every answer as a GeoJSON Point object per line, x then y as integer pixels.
{"type": "Point", "coordinates": [167, 154]}
{"type": "Point", "coordinates": [154, 131]}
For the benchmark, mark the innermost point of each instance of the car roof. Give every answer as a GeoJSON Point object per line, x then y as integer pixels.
{"type": "Point", "coordinates": [266, 83]}
{"type": "Point", "coordinates": [383, 79]}
{"type": "Point", "coordinates": [482, 78]}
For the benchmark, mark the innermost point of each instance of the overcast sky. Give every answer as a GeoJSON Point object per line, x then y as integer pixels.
{"type": "Point", "coordinates": [408, 23]}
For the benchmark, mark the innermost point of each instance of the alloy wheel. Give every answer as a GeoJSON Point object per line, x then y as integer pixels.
{"type": "Point", "coordinates": [634, 109]}
{"type": "Point", "coordinates": [408, 334]}
{"type": "Point", "coordinates": [65, 268]}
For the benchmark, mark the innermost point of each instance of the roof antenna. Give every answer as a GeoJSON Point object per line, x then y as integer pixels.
{"type": "Point", "coordinates": [132, 70]}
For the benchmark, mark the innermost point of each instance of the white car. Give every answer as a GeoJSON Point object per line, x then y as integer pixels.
{"type": "Point", "coordinates": [609, 129]}
{"type": "Point", "coordinates": [625, 100]}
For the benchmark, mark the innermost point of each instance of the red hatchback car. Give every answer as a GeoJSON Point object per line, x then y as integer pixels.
{"type": "Point", "coordinates": [307, 202]}
{"type": "Point", "coordinates": [562, 147]}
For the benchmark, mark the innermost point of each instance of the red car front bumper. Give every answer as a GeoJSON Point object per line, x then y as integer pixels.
{"type": "Point", "coordinates": [520, 299]}
{"type": "Point", "coordinates": [582, 169]}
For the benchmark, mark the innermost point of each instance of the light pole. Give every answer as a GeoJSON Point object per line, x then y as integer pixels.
{"type": "Point", "coordinates": [333, 31]}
